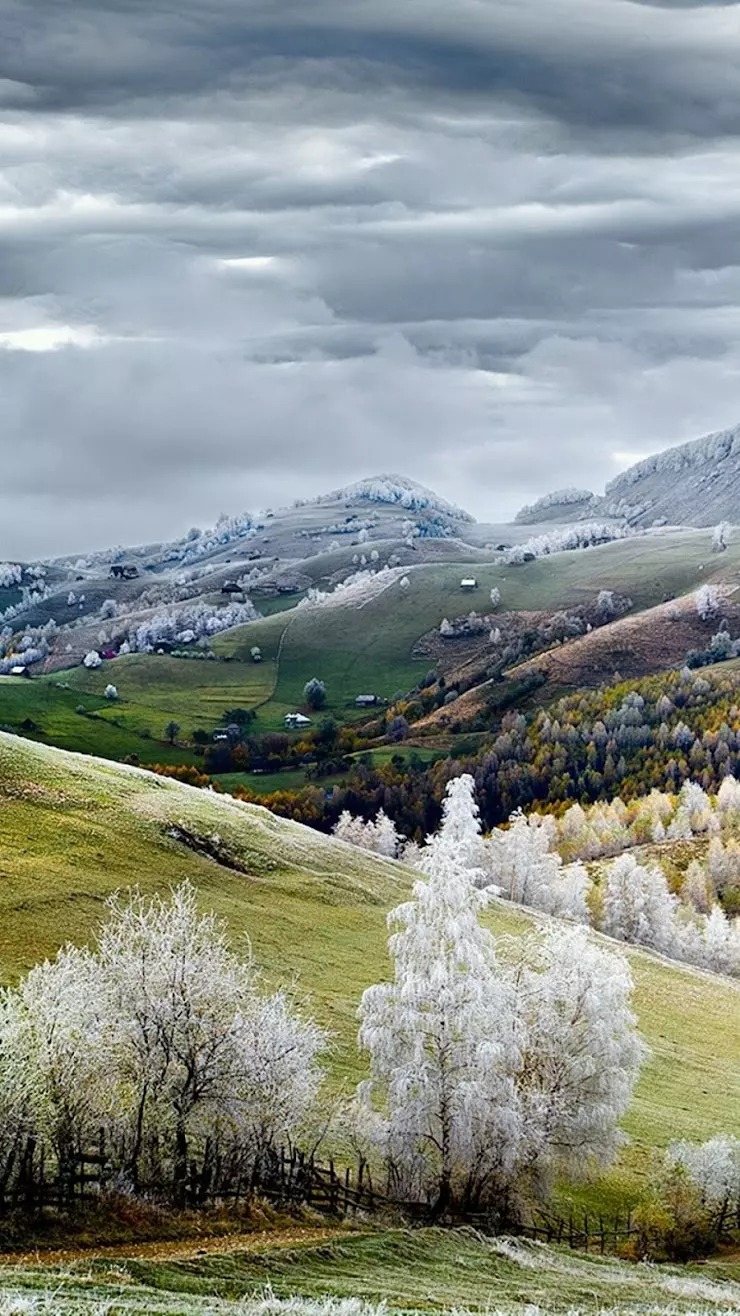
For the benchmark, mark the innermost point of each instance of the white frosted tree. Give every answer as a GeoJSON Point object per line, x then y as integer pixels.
{"type": "Point", "coordinates": [580, 1053]}
{"type": "Point", "coordinates": [638, 907]}
{"type": "Point", "coordinates": [728, 801]}
{"type": "Point", "coordinates": [714, 1169]}
{"type": "Point", "coordinates": [387, 840]}
{"type": "Point", "coordinates": [707, 602]}
{"type": "Point", "coordinates": [721, 943]}
{"type": "Point", "coordinates": [441, 1042]}
{"type": "Point", "coordinates": [57, 1045]}
{"type": "Point", "coordinates": [523, 864]}
{"type": "Point", "coordinates": [380, 837]}
{"type": "Point", "coordinates": [721, 536]}
{"type": "Point", "coordinates": [696, 890]}
{"type": "Point", "coordinates": [694, 810]}
{"type": "Point", "coordinates": [458, 841]}
{"type": "Point", "coordinates": [190, 1050]}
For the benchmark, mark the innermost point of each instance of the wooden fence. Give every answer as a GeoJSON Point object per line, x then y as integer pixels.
{"type": "Point", "coordinates": [288, 1178]}
{"type": "Point", "coordinates": [593, 1233]}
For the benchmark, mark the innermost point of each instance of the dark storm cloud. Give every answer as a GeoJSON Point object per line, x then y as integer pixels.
{"type": "Point", "coordinates": [247, 251]}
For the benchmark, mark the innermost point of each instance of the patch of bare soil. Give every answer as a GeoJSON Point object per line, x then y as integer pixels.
{"type": "Point", "coordinates": [635, 646]}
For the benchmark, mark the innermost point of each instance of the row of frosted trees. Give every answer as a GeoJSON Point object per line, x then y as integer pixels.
{"type": "Point", "coordinates": [158, 1045]}
{"type": "Point", "coordinates": [488, 1072]}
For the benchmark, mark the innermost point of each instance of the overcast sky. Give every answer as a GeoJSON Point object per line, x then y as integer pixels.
{"type": "Point", "coordinates": [251, 250]}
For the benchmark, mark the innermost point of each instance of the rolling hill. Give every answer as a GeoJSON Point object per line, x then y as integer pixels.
{"type": "Point", "coordinates": [692, 484]}
{"type": "Point", "coordinates": [73, 830]}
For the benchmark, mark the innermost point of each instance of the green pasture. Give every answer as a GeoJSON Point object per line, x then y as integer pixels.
{"type": "Point", "coordinates": [73, 830]}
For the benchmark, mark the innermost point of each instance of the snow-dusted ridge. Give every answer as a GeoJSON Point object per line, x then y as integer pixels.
{"type": "Point", "coordinates": [396, 490]}
{"type": "Point", "coordinates": [559, 498]}
{"type": "Point", "coordinates": [692, 484]}
{"type": "Point", "coordinates": [710, 449]}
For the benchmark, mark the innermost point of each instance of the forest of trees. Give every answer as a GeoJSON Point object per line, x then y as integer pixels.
{"type": "Point", "coordinates": [621, 741]}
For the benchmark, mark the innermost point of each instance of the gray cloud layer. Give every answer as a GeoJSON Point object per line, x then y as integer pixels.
{"type": "Point", "coordinates": [250, 250]}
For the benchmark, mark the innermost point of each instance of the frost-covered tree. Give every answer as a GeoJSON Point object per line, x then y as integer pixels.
{"type": "Point", "coordinates": [728, 801]}
{"type": "Point", "coordinates": [694, 813]}
{"type": "Point", "coordinates": [605, 605]}
{"type": "Point", "coordinates": [696, 888]}
{"type": "Point", "coordinates": [111, 693]}
{"type": "Point", "coordinates": [10, 575]}
{"type": "Point", "coordinates": [56, 1045]}
{"type": "Point", "coordinates": [580, 1053]}
{"type": "Point", "coordinates": [721, 536]}
{"type": "Point", "coordinates": [495, 597]}
{"type": "Point", "coordinates": [379, 837]}
{"type": "Point", "coordinates": [198, 1050]}
{"type": "Point", "coordinates": [714, 1168]}
{"type": "Point", "coordinates": [314, 693]}
{"type": "Point", "coordinates": [442, 1049]}
{"type": "Point", "coordinates": [707, 602]}
{"type": "Point", "coordinates": [638, 907]}
{"type": "Point", "coordinates": [486, 1074]}
{"type": "Point", "coordinates": [92, 660]}
{"type": "Point", "coordinates": [522, 863]}
{"type": "Point", "coordinates": [458, 842]}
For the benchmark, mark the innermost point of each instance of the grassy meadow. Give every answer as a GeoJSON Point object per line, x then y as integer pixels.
{"type": "Point", "coordinates": [368, 1273]}
{"type": "Point", "coordinates": [353, 648]}
{"type": "Point", "coordinates": [72, 831]}
{"type": "Point", "coordinates": [367, 648]}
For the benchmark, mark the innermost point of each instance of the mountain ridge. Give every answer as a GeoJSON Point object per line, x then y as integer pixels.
{"type": "Point", "coordinates": [696, 483]}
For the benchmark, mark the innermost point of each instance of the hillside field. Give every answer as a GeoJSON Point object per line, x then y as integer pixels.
{"type": "Point", "coordinates": [367, 647]}
{"type": "Point", "coordinates": [72, 831]}
{"type": "Point", "coordinates": [354, 647]}
{"type": "Point", "coordinates": [367, 1273]}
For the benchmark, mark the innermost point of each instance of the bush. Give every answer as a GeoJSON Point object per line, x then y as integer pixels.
{"type": "Point", "coordinates": [672, 1223]}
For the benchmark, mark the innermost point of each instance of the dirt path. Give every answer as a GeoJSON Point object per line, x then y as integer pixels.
{"type": "Point", "coordinates": [175, 1249]}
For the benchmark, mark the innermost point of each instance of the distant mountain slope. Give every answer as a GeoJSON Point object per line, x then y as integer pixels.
{"type": "Point", "coordinates": [697, 483]}
{"type": "Point", "coordinates": [397, 491]}
{"type": "Point", "coordinates": [562, 505]}
{"type": "Point", "coordinates": [694, 484]}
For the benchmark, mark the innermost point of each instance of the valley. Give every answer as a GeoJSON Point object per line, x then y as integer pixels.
{"type": "Point", "coordinates": [351, 660]}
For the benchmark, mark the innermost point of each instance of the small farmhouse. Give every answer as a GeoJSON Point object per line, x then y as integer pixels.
{"type": "Point", "coordinates": [296, 721]}
{"type": "Point", "coordinates": [468, 582]}
{"type": "Point", "coordinates": [366, 701]}
{"type": "Point", "coordinates": [121, 572]}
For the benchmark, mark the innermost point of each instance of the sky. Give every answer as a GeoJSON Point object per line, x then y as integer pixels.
{"type": "Point", "coordinates": [251, 251]}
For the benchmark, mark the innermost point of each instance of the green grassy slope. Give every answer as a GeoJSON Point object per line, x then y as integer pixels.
{"type": "Point", "coordinates": [354, 649]}
{"type": "Point", "coordinates": [368, 648]}
{"type": "Point", "coordinates": [73, 830]}
{"type": "Point", "coordinates": [405, 1270]}
{"type": "Point", "coordinates": [153, 688]}
{"type": "Point", "coordinates": [452, 1270]}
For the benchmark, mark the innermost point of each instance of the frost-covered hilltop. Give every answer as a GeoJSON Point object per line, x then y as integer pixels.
{"type": "Point", "coordinates": [555, 506]}
{"type": "Point", "coordinates": [397, 491]}
{"type": "Point", "coordinates": [696, 483]}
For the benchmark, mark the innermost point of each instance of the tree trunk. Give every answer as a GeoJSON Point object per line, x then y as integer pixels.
{"type": "Point", "coordinates": [180, 1169]}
